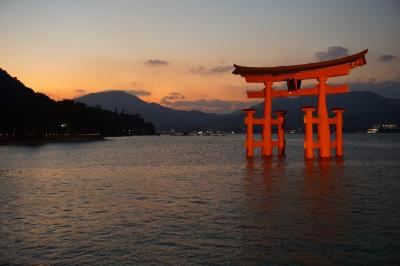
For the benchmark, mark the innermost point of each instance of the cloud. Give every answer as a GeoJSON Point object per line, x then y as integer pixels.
{"type": "Point", "coordinates": [136, 92]}
{"type": "Point", "coordinates": [246, 87]}
{"type": "Point", "coordinates": [139, 92]}
{"type": "Point", "coordinates": [80, 91]}
{"type": "Point", "coordinates": [215, 70]}
{"type": "Point", "coordinates": [331, 53]}
{"type": "Point", "coordinates": [386, 58]}
{"type": "Point", "coordinates": [213, 106]}
{"type": "Point", "coordinates": [168, 100]}
{"type": "Point", "coordinates": [157, 62]}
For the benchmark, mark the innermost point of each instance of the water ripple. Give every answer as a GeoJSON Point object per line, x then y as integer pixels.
{"type": "Point", "coordinates": [198, 201]}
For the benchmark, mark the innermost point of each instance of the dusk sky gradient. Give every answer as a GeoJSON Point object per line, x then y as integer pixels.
{"type": "Point", "coordinates": [69, 48]}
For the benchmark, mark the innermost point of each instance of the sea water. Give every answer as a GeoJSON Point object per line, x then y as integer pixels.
{"type": "Point", "coordinates": [196, 200]}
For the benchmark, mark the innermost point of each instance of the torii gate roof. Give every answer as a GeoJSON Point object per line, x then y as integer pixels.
{"type": "Point", "coordinates": [350, 61]}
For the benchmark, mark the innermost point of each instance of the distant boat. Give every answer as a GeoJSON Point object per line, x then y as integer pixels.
{"type": "Point", "coordinates": [372, 131]}
{"type": "Point", "coordinates": [384, 128]}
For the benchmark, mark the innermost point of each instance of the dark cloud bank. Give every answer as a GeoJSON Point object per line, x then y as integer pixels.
{"type": "Point", "coordinates": [80, 91]}
{"type": "Point", "coordinates": [211, 106]}
{"type": "Point", "coordinates": [386, 58]}
{"type": "Point", "coordinates": [210, 71]}
{"type": "Point", "coordinates": [136, 92]}
{"type": "Point", "coordinates": [157, 62]}
{"type": "Point", "coordinates": [139, 92]}
{"type": "Point", "coordinates": [169, 99]}
{"type": "Point", "coordinates": [332, 52]}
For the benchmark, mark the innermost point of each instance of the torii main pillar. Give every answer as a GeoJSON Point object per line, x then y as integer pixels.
{"type": "Point", "coordinates": [293, 75]}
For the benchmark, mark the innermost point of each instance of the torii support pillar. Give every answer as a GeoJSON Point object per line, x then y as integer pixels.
{"type": "Point", "coordinates": [266, 133]}
{"type": "Point", "coordinates": [324, 135]}
{"type": "Point", "coordinates": [308, 134]}
{"type": "Point", "coordinates": [249, 121]}
{"type": "Point", "coordinates": [310, 144]}
{"type": "Point", "coordinates": [280, 121]}
{"type": "Point", "coordinates": [339, 130]}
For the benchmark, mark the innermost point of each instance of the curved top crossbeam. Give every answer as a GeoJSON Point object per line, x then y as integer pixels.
{"type": "Point", "coordinates": [347, 63]}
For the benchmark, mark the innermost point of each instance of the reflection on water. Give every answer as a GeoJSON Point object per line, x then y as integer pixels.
{"type": "Point", "coordinates": [197, 200]}
{"type": "Point", "coordinates": [301, 216]}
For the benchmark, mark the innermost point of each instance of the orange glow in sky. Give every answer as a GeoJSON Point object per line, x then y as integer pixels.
{"type": "Point", "coordinates": [68, 49]}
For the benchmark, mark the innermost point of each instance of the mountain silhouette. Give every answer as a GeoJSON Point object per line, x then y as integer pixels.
{"type": "Point", "coordinates": [25, 113]}
{"type": "Point", "coordinates": [363, 109]}
{"type": "Point", "coordinates": [164, 118]}
{"type": "Point", "coordinates": [387, 89]}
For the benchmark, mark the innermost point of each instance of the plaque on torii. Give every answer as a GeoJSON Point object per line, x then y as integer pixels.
{"type": "Point", "coordinates": [294, 75]}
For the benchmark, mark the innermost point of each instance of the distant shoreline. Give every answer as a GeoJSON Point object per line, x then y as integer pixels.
{"type": "Point", "coordinates": [37, 140]}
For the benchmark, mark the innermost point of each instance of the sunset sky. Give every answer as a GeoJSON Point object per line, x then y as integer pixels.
{"type": "Point", "coordinates": [182, 51]}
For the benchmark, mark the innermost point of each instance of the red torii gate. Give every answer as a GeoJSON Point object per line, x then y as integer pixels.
{"type": "Point", "coordinates": [293, 75]}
